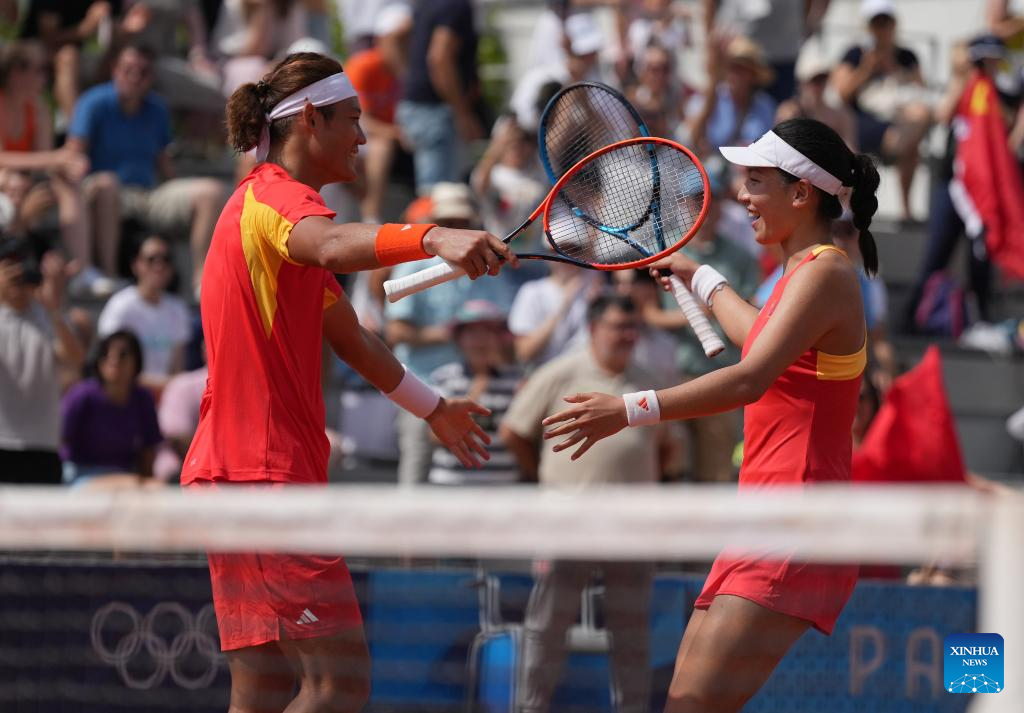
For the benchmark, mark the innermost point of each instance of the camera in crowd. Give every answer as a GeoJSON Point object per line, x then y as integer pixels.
{"type": "Point", "coordinates": [18, 250]}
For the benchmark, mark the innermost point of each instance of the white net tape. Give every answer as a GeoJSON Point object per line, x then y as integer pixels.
{"type": "Point", "coordinates": [837, 524]}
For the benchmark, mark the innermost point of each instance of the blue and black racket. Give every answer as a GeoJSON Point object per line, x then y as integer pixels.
{"type": "Point", "coordinates": [580, 119]}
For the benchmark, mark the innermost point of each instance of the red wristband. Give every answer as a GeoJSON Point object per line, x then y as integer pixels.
{"type": "Point", "coordinates": [401, 242]}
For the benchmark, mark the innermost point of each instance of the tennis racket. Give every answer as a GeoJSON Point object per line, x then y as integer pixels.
{"type": "Point", "coordinates": [578, 120]}
{"type": "Point", "coordinates": [610, 211]}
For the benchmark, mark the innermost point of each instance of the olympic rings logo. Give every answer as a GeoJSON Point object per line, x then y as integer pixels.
{"type": "Point", "coordinates": [146, 653]}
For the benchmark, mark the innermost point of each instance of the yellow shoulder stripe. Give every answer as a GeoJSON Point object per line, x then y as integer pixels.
{"type": "Point", "coordinates": [264, 233]}
{"type": "Point", "coordinates": [329, 299]}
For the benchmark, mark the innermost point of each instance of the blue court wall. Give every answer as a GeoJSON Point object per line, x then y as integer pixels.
{"type": "Point", "coordinates": [66, 643]}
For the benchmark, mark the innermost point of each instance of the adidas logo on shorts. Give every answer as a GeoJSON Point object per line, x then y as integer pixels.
{"type": "Point", "coordinates": [307, 617]}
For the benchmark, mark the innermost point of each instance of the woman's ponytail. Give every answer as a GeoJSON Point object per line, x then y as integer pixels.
{"type": "Point", "coordinates": [245, 117]}
{"type": "Point", "coordinates": [863, 204]}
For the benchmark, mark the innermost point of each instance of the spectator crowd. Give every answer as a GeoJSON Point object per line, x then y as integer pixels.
{"type": "Point", "coordinates": [113, 172]}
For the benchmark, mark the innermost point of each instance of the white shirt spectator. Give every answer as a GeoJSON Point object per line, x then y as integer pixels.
{"type": "Point", "coordinates": [161, 327]}
{"type": "Point", "coordinates": [231, 33]}
{"type": "Point", "coordinates": [536, 301]}
{"type": "Point", "coordinates": [513, 194]}
{"type": "Point", "coordinates": [29, 388]}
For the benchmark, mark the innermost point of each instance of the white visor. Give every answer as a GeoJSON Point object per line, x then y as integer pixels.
{"type": "Point", "coordinates": [328, 90]}
{"type": "Point", "coordinates": [771, 151]}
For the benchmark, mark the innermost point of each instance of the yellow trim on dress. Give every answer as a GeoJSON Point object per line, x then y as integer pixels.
{"type": "Point", "coordinates": [840, 367]}
{"type": "Point", "coordinates": [832, 367]}
{"type": "Point", "coordinates": [822, 248]}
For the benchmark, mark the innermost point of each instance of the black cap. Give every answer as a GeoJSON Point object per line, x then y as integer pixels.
{"type": "Point", "coordinates": [986, 47]}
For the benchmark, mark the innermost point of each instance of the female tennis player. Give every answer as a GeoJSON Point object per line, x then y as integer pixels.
{"type": "Point", "coordinates": [799, 378]}
{"type": "Point", "coordinates": [269, 299]}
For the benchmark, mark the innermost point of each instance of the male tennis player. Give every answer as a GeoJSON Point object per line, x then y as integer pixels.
{"type": "Point", "coordinates": [269, 298]}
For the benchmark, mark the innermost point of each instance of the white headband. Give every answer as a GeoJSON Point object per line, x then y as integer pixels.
{"type": "Point", "coordinates": [772, 151]}
{"type": "Point", "coordinates": [328, 90]}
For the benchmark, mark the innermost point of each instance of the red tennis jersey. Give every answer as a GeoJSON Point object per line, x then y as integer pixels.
{"type": "Point", "coordinates": [797, 433]}
{"type": "Point", "coordinates": [262, 413]}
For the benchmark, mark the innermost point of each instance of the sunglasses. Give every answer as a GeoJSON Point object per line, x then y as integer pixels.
{"type": "Point", "coordinates": [156, 258]}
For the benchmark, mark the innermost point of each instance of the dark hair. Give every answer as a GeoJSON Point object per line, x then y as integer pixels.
{"type": "Point", "coordinates": [15, 55]}
{"type": "Point", "coordinates": [825, 147]}
{"type": "Point", "coordinates": [147, 52]}
{"type": "Point", "coordinates": [545, 94]}
{"type": "Point", "coordinates": [145, 237]}
{"type": "Point", "coordinates": [250, 103]}
{"type": "Point", "coordinates": [104, 345]}
{"type": "Point", "coordinates": [606, 301]}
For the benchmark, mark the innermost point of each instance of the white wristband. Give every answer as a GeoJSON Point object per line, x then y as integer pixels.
{"type": "Point", "coordinates": [642, 408]}
{"type": "Point", "coordinates": [705, 281]}
{"type": "Point", "coordinates": [414, 396]}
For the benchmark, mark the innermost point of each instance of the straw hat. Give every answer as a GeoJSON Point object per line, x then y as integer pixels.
{"type": "Point", "coordinates": [744, 51]}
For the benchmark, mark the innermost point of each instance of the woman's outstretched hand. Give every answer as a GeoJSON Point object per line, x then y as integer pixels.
{"type": "Point", "coordinates": [592, 417]}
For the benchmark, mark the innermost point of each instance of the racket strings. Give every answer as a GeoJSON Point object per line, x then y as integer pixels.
{"type": "Point", "coordinates": [584, 119]}
{"type": "Point", "coordinates": [627, 204]}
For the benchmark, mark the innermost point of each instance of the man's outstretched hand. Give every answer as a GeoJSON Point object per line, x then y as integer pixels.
{"type": "Point", "coordinates": [453, 425]}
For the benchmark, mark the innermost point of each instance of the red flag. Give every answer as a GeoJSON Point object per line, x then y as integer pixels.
{"type": "Point", "coordinates": [990, 174]}
{"type": "Point", "coordinates": [913, 437]}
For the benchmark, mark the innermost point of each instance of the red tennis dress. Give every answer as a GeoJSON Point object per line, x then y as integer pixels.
{"type": "Point", "coordinates": [798, 432]}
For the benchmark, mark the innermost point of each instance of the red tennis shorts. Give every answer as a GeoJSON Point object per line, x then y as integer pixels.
{"type": "Point", "coordinates": [262, 597]}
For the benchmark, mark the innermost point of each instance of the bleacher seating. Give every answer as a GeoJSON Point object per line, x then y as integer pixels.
{"type": "Point", "coordinates": [984, 389]}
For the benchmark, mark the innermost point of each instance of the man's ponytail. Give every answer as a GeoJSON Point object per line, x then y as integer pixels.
{"type": "Point", "coordinates": [245, 118]}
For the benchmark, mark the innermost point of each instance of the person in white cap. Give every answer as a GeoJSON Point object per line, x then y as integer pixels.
{"type": "Point", "coordinates": [269, 300]}
{"type": "Point", "coordinates": [798, 380]}
{"type": "Point", "coordinates": [581, 41]}
{"type": "Point", "coordinates": [812, 100]}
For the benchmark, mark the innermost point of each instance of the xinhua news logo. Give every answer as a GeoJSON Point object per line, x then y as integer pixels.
{"type": "Point", "coordinates": [973, 663]}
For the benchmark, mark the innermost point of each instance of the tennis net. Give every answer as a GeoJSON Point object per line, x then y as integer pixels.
{"type": "Point", "coordinates": [105, 596]}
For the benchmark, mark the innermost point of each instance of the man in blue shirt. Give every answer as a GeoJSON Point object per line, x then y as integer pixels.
{"type": "Point", "coordinates": [124, 129]}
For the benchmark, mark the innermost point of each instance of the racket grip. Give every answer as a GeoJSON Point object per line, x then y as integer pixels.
{"type": "Point", "coordinates": [709, 339]}
{"type": "Point", "coordinates": [419, 281]}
